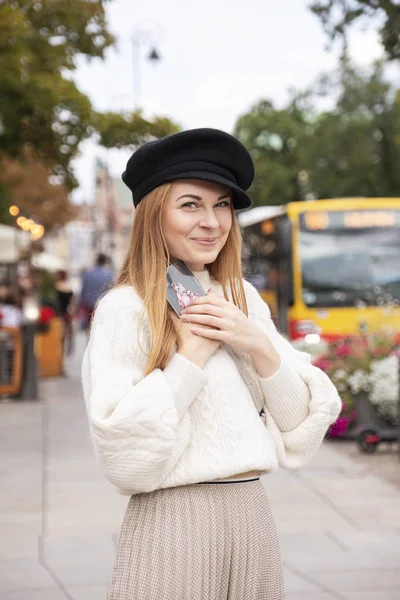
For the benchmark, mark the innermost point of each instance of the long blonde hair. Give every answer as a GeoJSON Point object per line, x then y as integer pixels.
{"type": "Point", "coordinates": [145, 269]}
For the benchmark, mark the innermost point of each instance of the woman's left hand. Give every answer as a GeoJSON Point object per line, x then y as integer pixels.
{"type": "Point", "coordinates": [229, 323]}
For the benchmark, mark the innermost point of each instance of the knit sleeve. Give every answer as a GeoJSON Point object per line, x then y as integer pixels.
{"type": "Point", "coordinates": [139, 424]}
{"type": "Point", "coordinates": [300, 400]}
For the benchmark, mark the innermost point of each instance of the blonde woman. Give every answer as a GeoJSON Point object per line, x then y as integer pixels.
{"type": "Point", "coordinates": [186, 414]}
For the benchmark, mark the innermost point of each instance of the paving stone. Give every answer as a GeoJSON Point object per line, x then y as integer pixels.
{"type": "Point", "coordinates": [359, 580]}
{"type": "Point", "coordinates": [22, 574]}
{"type": "Point", "coordinates": [80, 561]}
{"type": "Point", "coordinates": [381, 595]}
{"type": "Point", "coordinates": [338, 519]}
{"type": "Point", "coordinates": [36, 594]}
{"type": "Point", "coordinates": [296, 584]}
{"type": "Point", "coordinates": [88, 592]}
{"type": "Point", "coordinates": [308, 596]}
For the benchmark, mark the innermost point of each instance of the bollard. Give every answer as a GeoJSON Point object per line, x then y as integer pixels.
{"type": "Point", "coordinates": [30, 373]}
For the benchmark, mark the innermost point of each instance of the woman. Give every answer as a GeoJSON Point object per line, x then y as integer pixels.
{"type": "Point", "coordinates": [10, 313]}
{"type": "Point", "coordinates": [187, 413]}
{"type": "Point", "coordinates": [65, 296]}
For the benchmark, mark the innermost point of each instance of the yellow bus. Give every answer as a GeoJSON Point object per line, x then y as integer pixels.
{"type": "Point", "coordinates": [327, 268]}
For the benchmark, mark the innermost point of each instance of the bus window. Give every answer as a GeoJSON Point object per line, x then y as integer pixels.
{"type": "Point", "coordinates": [343, 265]}
{"type": "Point", "coordinates": [267, 265]}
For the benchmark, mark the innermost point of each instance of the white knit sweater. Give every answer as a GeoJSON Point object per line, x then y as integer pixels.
{"type": "Point", "coordinates": [185, 424]}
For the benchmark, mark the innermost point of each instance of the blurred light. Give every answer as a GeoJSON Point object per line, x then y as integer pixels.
{"type": "Point", "coordinates": [25, 225]}
{"type": "Point", "coordinates": [312, 338]}
{"type": "Point", "coordinates": [14, 210]}
{"type": "Point", "coordinates": [36, 229]}
{"type": "Point", "coordinates": [306, 326]}
{"type": "Point", "coordinates": [29, 223]}
{"type": "Point", "coordinates": [31, 309]}
{"type": "Point", "coordinates": [316, 220]}
{"type": "Point", "coordinates": [21, 221]}
{"type": "Point", "coordinates": [268, 227]}
{"type": "Point", "coordinates": [303, 176]}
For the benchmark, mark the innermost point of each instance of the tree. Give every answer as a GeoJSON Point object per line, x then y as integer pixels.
{"type": "Point", "coordinates": [39, 106]}
{"type": "Point", "coordinates": [132, 129]}
{"type": "Point", "coordinates": [351, 150]}
{"type": "Point", "coordinates": [337, 17]}
{"type": "Point", "coordinates": [43, 114]}
{"type": "Point", "coordinates": [356, 147]}
{"type": "Point", "coordinates": [29, 185]}
{"type": "Point", "coordinates": [274, 139]}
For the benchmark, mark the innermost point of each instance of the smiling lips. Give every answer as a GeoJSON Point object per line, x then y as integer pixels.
{"type": "Point", "coordinates": [206, 241]}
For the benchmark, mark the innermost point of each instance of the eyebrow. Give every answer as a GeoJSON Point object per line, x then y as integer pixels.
{"type": "Point", "coordinates": [199, 198]}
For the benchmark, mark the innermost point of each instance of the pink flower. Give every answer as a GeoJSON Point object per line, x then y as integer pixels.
{"type": "Point", "coordinates": [323, 364]}
{"type": "Point", "coordinates": [343, 350]}
{"type": "Point", "coordinates": [339, 427]}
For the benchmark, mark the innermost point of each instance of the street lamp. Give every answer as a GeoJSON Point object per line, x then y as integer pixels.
{"type": "Point", "coordinates": [146, 35]}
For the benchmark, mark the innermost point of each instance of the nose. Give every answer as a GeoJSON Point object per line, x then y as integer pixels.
{"type": "Point", "coordinates": [209, 220]}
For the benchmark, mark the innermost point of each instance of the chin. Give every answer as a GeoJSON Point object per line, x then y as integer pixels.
{"type": "Point", "coordinates": [204, 257]}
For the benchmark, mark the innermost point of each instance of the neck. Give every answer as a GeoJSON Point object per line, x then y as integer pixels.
{"type": "Point", "coordinates": [196, 267]}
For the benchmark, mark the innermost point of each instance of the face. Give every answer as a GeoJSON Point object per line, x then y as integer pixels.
{"type": "Point", "coordinates": [196, 221]}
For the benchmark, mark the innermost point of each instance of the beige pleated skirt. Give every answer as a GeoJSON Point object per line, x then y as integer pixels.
{"type": "Point", "coordinates": [205, 541]}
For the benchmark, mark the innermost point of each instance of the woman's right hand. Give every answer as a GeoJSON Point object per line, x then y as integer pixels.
{"type": "Point", "coordinates": [193, 347]}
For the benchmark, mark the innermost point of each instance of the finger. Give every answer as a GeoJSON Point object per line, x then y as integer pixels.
{"type": "Point", "coordinates": [211, 334]}
{"type": "Point", "coordinates": [209, 309]}
{"type": "Point", "coordinates": [211, 321]}
{"type": "Point", "coordinates": [209, 299]}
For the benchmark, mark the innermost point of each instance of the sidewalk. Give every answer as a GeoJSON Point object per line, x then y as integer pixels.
{"type": "Point", "coordinates": [59, 523]}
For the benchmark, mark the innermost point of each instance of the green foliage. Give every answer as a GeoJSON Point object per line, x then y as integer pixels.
{"type": "Point", "coordinates": [356, 149]}
{"type": "Point", "coordinates": [39, 106]}
{"type": "Point", "coordinates": [47, 286]}
{"type": "Point", "coordinates": [5, 203]}
{"type": "Point", "coordinates": [337, 16]}
{"type": "Point", "coordinates": [117, 131]}
{"type": "Point", "coordinates": [43, 115]}
{"type": "Point", "coordinates": [274, 139]}
{"type": "Point", "coordinates": [352, 150]}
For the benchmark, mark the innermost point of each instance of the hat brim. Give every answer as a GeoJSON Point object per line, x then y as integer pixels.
{"type": "Point", "coordinates": [240, 199]}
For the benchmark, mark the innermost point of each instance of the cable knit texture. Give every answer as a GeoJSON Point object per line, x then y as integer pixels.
{"type": "Point", "coordinates": [185, 424]}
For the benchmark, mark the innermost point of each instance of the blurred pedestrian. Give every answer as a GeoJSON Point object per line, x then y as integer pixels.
{"type": "Point", "coordinates": [186, 413]}
{"type": "Point", "coordinates": [65, 300]}
{"type": "Point", "coordinates": [94, 283]}
{"type": "Point", "coordinates": [10, 313]}
{"type": "Point", "coordinates": [10, 316]}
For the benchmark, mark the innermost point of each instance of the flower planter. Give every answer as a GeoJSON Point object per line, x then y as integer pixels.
{"type": "Point", "coordinates": [370, 428]}
{"type": "Point", "coordinates": [367, 413]}
{"type": "Point", "coordinates": [366, 373]}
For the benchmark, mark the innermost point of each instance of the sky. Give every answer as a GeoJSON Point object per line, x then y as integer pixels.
{"type": "Point", "coordinates": [218, 58]}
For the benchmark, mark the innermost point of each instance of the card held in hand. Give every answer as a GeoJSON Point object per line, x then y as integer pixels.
{"type": "Point", "coordinates": [182, 286]}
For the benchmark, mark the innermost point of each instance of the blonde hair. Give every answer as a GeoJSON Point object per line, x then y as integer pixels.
{"type": "Point", "coordinates": [145, 269]}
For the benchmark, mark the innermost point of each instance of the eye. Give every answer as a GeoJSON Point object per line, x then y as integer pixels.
{"type": "Point", "coordinates": [190, 205]}
{"type": "Point", "coordinates": [224, 203]}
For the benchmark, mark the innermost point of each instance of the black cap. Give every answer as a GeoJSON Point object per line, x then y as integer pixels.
{"type": "Point", "coordinates": [206, 154]}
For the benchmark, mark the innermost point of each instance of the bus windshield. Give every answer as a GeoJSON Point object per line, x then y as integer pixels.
{"type": "Point", "coordinates": [350, 267]}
